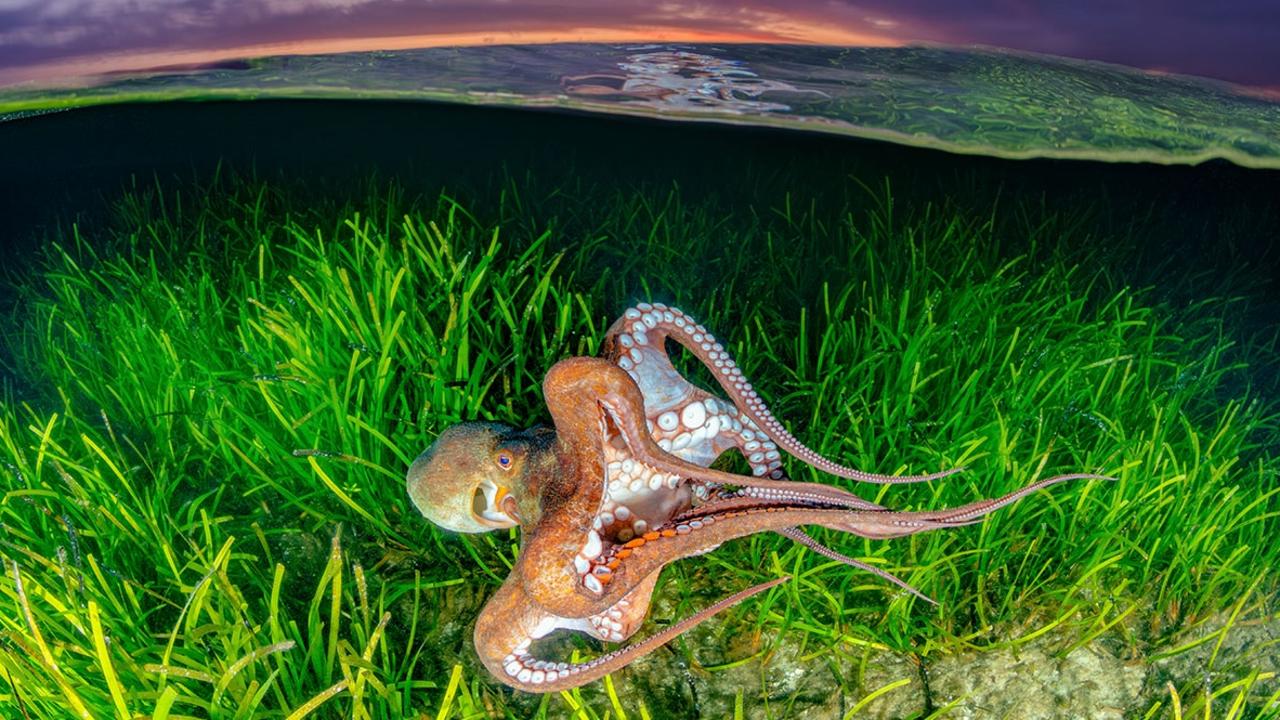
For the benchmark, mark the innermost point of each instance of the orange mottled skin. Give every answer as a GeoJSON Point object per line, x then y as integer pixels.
{"type": "Point", "coordinates": [574, 572]}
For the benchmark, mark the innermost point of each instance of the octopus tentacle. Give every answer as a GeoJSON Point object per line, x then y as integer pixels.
{"type": "Point", "coordinates": [612, 568]}
{"type": "Point", "coordinates": [647, 324]}
{"type": "Point", "coordinates": [629, 421]}
{"type": "Point", "coordinates": [521, 670]}
{"type": "Point", "coordinates": [801, 537]}
{"type": "Point", "coordinates": [886, 525]}
{"type": "Point", "coordinates": [735, 502]}
{"type": "Point", "coordinates": [762, 505]}
{"type": "Point", "coordinates": [617, 566]}
{"type": "Point", "coordinates": [974, 511]}
{"type": "Point", "coordinates": [786, 489]}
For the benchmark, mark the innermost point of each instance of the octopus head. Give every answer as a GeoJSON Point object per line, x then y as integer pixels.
{"type": "Point", "coordinates": [464, 481]}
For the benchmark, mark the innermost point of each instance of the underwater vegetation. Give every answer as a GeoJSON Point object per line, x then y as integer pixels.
{"type": "Point", "coordinates": [213, 393]}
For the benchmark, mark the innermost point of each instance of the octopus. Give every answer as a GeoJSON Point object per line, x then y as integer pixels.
{"type": "Point", "coordinates": [623, 485]}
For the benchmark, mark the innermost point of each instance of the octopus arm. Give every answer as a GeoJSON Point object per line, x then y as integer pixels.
{"type": "Point", "coordinates": [758, 505]}
{"type": "Point", "coordinates": [637, 338]}
{"type": "Point", "coordinates": [509, 624]}
{"type": "Point", "coordinates": [798, 535]}
{"type": "Point", "coordinates": [719, 521]}
{"type": "Point", "coordinates": [623, 408]}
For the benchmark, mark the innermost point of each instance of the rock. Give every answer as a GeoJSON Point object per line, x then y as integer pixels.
{"type": "Point", "coordinates": [1033, 683]}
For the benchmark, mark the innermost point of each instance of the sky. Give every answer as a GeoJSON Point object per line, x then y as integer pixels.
{"type": "Point", "coordinates": [44, 40]}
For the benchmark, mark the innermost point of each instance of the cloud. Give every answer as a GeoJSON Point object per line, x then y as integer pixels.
{"type": "Point", "coordinates": [43, 30]}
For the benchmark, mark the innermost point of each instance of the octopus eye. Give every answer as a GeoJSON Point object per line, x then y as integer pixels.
{"type": "Point", "coordinates": [504, 461]}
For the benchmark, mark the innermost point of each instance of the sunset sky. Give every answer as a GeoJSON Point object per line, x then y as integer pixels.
{"type": "Point", "coordinates": [1237, 40]}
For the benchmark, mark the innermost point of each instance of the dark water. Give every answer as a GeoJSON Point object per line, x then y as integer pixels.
{"type": "Point", "coordinates": [62, 166]}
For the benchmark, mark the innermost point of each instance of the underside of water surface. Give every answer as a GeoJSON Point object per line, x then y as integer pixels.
{"type": "Point", "coordinates": [980, 101]}
{"type": "Point", "coordinates": [230, 326]}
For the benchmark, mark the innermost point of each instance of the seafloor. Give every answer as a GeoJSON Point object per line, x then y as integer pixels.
{"type": "Point", "coordinates": [229, 326]}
